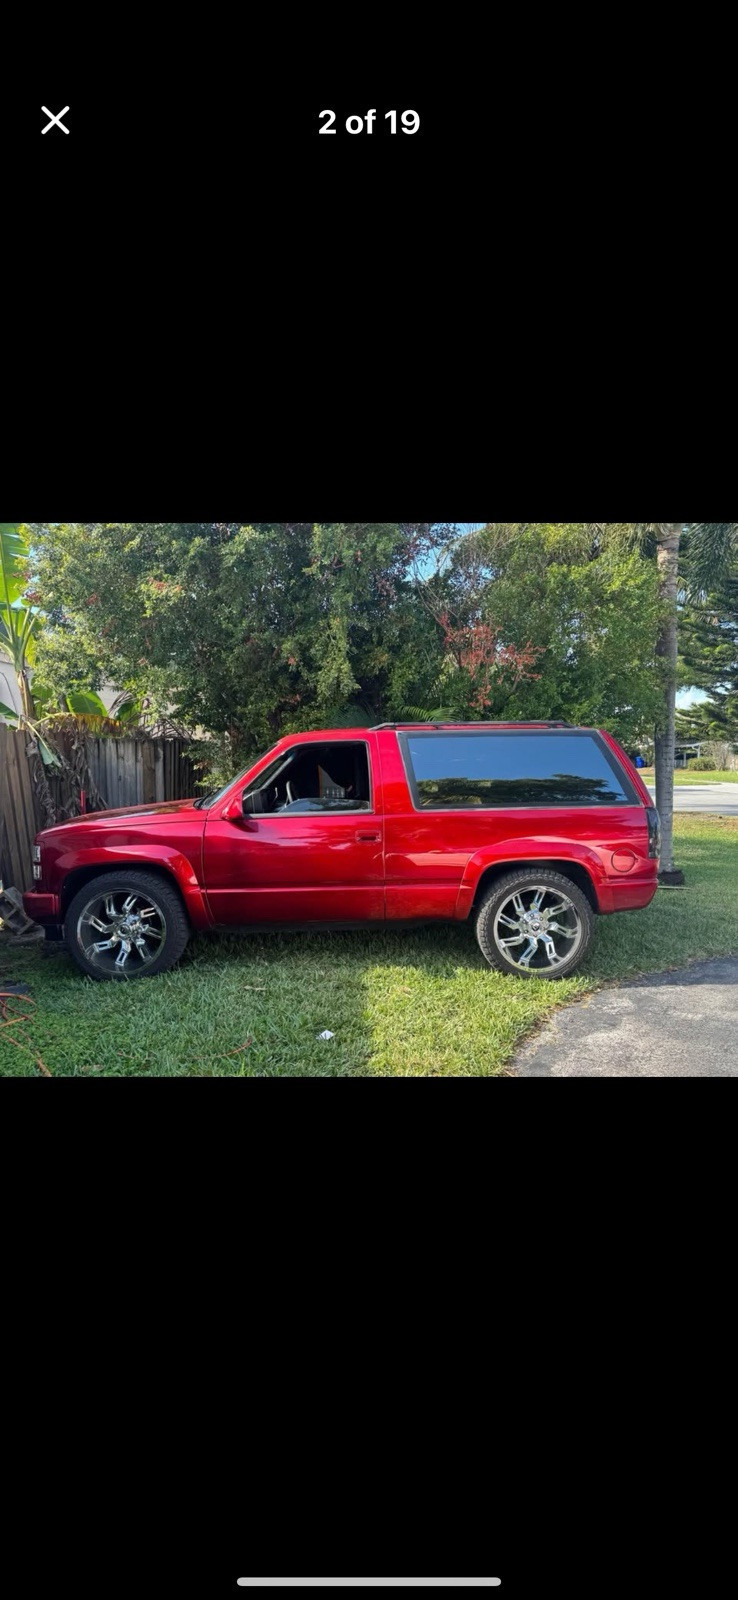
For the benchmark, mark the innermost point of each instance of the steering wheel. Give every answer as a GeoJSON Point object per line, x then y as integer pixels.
{"type": "Point", "coordinates": [292, 794]}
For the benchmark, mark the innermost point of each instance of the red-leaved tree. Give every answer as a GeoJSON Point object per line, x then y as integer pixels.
{"type": "Point", "coordinates": [492, 669]}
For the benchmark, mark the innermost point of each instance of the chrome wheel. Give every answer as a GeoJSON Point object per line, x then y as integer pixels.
{"type": "Point", "coordinates": [537, 928]}
{"type": "Point", "coordinates": [121, 931]}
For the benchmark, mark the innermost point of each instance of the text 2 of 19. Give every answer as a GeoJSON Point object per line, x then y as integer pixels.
{"type": "Point", "coordinates": [409, 122]}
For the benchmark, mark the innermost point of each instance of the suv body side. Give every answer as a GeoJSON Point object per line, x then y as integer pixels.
{"type": "Point", "coordinates": [388, 857]}
{"type": "Point", "coordinates": [436, 860]}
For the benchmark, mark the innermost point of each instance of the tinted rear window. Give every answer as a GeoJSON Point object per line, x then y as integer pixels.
{"type": "Point", "coordinates": [513, 769]}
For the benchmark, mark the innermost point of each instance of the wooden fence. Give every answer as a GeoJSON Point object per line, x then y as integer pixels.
{"type": "Point", "coordinates": [18, 823]}
{"type": "Point", "coordinates": [133, 772]}
{"type": "Point", "coordinates": [128, 772]}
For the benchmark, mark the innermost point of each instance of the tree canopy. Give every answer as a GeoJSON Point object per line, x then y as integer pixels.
{"type": "Point", "coordinates": [245, 630]}
{"type": "Point", "coordinates": [584, 604]}
{"type": "Point", "coordinates": [255, 630]}
{"type": "Point", "coordinates": [708, 629]}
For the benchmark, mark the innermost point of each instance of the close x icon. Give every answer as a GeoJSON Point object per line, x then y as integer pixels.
{"type": "Point", "coordinates": [52, 120]}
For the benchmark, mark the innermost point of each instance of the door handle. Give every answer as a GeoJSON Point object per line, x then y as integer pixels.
{"type": "Point", "coordinates": [368, 838]}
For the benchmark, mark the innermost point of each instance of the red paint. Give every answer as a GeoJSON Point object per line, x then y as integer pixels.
{"type": "Point", "coordinates": [624, 860]}
{"type": "Point", "coordinates": [167, 836]}
{"type": "Point", "coordinates": [42, 907]}
{"type": "Point", "coordinates": [391, 862]}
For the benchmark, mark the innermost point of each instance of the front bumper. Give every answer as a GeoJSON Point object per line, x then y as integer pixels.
{"type": "Point", "coordinates": [42, 907]}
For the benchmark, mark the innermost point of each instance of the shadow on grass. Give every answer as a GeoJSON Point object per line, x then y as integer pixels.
{"type": "Point", "coordinates": [239, 1004]}
{"type": "Point", "coordinates": [399, 1002]}
{"type": "Point", "coordinates": [409, 1002]}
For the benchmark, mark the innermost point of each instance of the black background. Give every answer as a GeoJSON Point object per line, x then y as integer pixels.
{"type": "Point", "coordinates": [311, 1336]}
{"type": "Point", "coordinates": [202, 291]}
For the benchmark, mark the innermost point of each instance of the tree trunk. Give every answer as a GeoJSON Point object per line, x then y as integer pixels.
{"type": "Point", "coordinates": [24, 689]}
{"type": "Point", "coordinates": [39, 781]}
{"type": "Point", "coordinates": [668, 536]}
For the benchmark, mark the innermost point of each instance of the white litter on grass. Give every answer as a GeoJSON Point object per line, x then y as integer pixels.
{"type": "Point", "coordinates": [326, 1034]}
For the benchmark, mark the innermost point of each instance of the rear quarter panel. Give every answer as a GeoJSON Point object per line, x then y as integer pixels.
{"type": "Point", "coordinates": [434, 859]}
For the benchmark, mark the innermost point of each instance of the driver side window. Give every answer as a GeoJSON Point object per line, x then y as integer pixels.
{"type": "Point", "coordinates": [314, 778]}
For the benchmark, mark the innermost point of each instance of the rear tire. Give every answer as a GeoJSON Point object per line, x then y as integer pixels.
{"type": "Point", "coordinates": [137, 918]}
{"type": "Point", "coordinates": [534, 924]}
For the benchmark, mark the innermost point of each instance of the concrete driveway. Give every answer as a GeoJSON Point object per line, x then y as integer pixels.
{"type": "Point", "coordinates": [674, 1025]}
{"type": "Point", "coordinates": [721, 797]}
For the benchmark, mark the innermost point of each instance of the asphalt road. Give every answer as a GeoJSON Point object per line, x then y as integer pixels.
{"type": "Point", "coordinates": [672, 1025]}
{"type": "Point", "coordinates": [720, 797]}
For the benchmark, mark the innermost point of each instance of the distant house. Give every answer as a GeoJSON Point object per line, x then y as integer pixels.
{"type": "Point", "coordinates": [11, 696]}
{"type": "Point", "coordinates": [8, 685]}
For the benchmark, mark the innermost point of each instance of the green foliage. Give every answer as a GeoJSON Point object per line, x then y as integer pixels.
{"type": "Point", "coordinates": [85, 703]}
{"type": "Point", "coordinates": [20, 618]}
{"type": "Point", "coordinates": [708, 634]}
{"type": "Point", "coordinates": [243, 631]}
{"type": "Point", "coordinates": [13, 563]}
{"type": "Point", "coordinates": [248, 632]}
{"type": "Point", "coordinates": [700, 764]}
{"type": "Point", "coordinates": [17, 719]}
{"type": "Point", "coordinates": [66, 665]}
{"type": "Point", "coordinates": [709, 555]}
{"type": "Point", "coordinates": [587, 603]}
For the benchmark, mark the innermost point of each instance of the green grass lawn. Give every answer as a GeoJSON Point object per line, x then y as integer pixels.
{"type": "Point", "coordinates": [413, 1003]}
{"type": "Point", "coordinates": [682, 775]}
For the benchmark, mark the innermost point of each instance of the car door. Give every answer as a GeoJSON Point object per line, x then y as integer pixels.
{"type": "Point", "coordinates": [304, 866]}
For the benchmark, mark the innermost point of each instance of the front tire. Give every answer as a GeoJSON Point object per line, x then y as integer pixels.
{"type": "Point", "coordinates": [126, 925]}
{"type": "Point", "coordinates": [534, 924]}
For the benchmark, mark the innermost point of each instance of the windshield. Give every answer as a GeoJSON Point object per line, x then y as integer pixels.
{"type": "Point", "coordinates": [208, 800]}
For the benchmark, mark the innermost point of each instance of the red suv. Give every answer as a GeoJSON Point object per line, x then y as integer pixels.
{"type": "Point", "coordinates": [525, 829]}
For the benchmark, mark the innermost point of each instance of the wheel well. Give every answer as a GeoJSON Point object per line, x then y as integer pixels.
{"type": "Point", "coordinates": [569, 869]}
{"type": "Point", "coordinates": [81, 875]}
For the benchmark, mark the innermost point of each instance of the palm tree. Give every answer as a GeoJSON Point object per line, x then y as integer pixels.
{"type": "Point", "coordinates": [19, 621]}
{"type": "Point", "coordinates": [660, 540]}
{"type": "Point", "coordinates": [712, 555]}
{"type": "Point", "coordinates": [667, 536]}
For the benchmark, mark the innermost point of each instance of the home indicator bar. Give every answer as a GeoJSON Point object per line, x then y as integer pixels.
{"type": "Point", "coordinates": [369, 1583]}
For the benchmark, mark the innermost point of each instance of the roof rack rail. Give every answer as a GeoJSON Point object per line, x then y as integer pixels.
{"type": "Point", "coordinates": [537, 722]}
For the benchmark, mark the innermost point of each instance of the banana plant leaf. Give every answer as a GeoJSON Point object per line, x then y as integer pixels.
{"type": "Point", "coordinates": [13, 562]}
{"type": "Point", "coordinates": [48, 756]}
{"type": "Point", "coordinates": [128, 710]}
{"type": "Point", "coordinates": [85, 703]}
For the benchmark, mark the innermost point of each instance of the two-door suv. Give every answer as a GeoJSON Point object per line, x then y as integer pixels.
{"type": "Point", "coordinates": [527, 830]}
